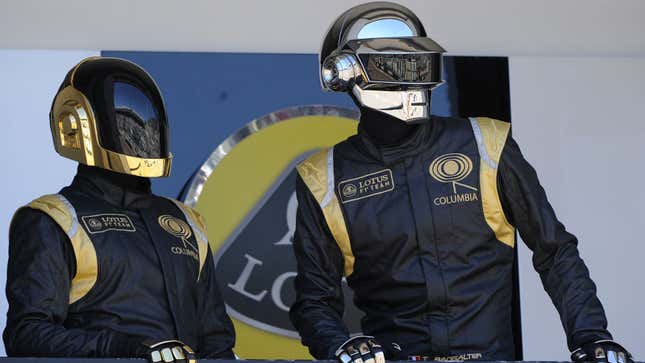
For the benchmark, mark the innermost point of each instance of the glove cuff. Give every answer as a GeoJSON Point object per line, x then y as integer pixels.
{"type": "Point", "coordinates": [339, 350]}
{"type": "Point", "coordinates": [601, 341]}
{"type": "Point", "coordinates": [154, 344]}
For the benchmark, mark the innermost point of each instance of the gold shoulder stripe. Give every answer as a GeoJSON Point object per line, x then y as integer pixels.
{"type": "Point", "coordinates": [491, 136]}
{"type": "Point", "coordinates": [198, 225]}
{"type": "Point", "coordinates": [317, 172]}
{"type": "Point", "coordinates": [62, 211]}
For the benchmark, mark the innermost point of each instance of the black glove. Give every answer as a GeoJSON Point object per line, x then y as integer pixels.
{"type": "Point", "coordinates": [360, 349]}
{"type": "Point", "coordinates": [169, 351]}
{"type": "Point", "coordinates": [600, 352]}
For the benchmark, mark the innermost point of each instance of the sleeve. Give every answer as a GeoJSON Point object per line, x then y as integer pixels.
{"type": "Point", "coordinates": [555, 254]}
{"type": "Point", "coordinates": [217, 335]}
{"type": "Point", "coordinates": [318, 309]}
{"type": "Point", "coordinates": [39, 273]}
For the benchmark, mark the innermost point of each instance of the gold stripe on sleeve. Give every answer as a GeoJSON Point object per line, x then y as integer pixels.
{"type": "Point", "coordinates": [491, 137]}
{"type": "Point", "coordinates": [63, 213]}
{"type": "Point", "coordinates": [317, 173]}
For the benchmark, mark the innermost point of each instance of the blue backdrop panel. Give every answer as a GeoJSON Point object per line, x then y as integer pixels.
{"type": "Point", "coordinates": [211, 95]}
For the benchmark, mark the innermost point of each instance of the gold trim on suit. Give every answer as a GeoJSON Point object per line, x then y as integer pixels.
{"type": "Point", "coordinates": [317, 173]}
{"type": "Point", "coordinates": [63, 213]}
{"type": "Point", "coordinates": [491, 137]}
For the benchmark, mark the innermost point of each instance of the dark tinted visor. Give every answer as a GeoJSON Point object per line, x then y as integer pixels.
{"type": "Point", "coordinates": [138, 125]}
{"type": "Point", "coordinates": [402, 68]}
{"type": "Point", "coordinates": [130, 115]}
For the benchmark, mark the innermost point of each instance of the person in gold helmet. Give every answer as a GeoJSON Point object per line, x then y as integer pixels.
{"type": "Point", "coordinates": [105, 268]}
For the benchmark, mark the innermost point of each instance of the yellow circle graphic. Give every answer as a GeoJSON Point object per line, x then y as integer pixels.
{"type": "Point", "coordinates": [252, 166]}
{"type": "Point", "coordinates": [175, 226]}
{"type": "Point", "coordinates": [450, 168]}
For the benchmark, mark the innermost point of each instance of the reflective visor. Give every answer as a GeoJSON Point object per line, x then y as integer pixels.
{"type": "Point", "coordinates": [138, 127]}
{"type": "Point", "coordinates": [128, 108]}
{"type": "Point", "coordinates": [408, 61]}
{"type": "Point", "coordinates": [402, 68]}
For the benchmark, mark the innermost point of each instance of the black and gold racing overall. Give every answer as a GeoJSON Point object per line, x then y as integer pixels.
{"type": "Point", "coordinates": [424, 232]}
{"type": "Point", "coordinates": [105, 264]}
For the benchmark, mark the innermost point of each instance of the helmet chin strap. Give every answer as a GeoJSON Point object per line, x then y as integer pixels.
{"type": "Point", "coordinates": [410, 106]}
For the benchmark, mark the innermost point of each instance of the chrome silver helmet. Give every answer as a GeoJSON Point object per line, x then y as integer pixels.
{"type": "Point", "coordinates": [380, 53]}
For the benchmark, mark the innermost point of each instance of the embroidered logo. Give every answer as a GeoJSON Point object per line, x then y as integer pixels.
{"type": "Point", "coordinates": [181, 230]}
{"type": "Point", "coordinates": [453, 169]}
{"type": "Point", "coordinates": [366, 186]}
{"type": "Point", "coordinates": [99, 223]}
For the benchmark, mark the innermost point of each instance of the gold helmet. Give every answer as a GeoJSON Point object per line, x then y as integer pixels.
{"type": "Point", "coordinates": [109, 113]}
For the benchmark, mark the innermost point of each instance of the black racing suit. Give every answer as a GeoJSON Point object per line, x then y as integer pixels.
{"type": "Point", "coordinates": [428, 252]}
{"type": "Point", "coordinates": [122, 279]}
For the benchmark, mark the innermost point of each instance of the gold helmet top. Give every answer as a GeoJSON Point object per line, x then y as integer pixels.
{"type": "Point", "coordinates": [109, 113]}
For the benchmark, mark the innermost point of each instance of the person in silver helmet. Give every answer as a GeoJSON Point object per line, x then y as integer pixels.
{"type": "Point", "coordinates": [105, 268]}
{"type": "Point", "coordinates": [419, 213]}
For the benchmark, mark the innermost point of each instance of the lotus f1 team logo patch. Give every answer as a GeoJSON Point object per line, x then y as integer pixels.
{"type": "Point", "coordinates": [366, 186]}
{"type": "Point", "coordinates": [99, 223]}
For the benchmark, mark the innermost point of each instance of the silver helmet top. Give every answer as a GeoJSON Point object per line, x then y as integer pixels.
{"type": "Point", "coordinates": [380, 53]}
{"type": "Point", "coordinates": [371, 20]}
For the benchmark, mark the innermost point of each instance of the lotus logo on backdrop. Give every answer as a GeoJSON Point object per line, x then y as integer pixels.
{"type": "Point", "coordinates": [257, 263]}
{"type": "Point", "coordinates": [246, 192]}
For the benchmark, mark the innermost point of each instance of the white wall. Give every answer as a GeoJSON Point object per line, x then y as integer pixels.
{"type": "Point", "coordinates": [579, 121]}
{"type": "Point", "coordinates": [30, 167]}
{"type": "Point", "coordinates": [491, 27]}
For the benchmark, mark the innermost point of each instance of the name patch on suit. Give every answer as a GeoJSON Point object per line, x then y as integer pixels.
{"type": "Point", "coordinates": [99, 223]}
{"type": "Point", "coordinates": [366, 186]}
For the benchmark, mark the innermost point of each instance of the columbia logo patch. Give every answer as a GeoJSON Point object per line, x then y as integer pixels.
{"type": "Point", "coordinates": [366, 186]}
{"type": "Point", "coordinates": [99, 223]}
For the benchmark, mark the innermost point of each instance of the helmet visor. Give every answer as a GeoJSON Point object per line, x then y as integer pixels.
{"type": "Point", "coordinates": [402, 68]}
{"type": "Point", "coordinates": [387, 62]}
{"type": "Point", "coordinates": [128, 109]}
{"type": "Point", "coordinates": [138, 127]}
